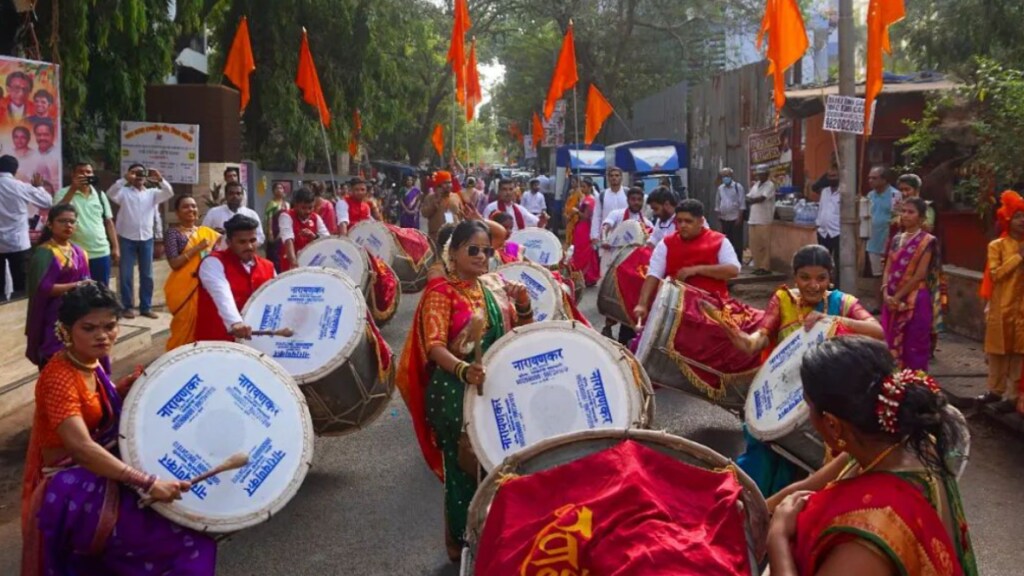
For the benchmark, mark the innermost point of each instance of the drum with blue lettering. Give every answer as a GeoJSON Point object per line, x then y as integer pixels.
{"type": "Point", "coordinates": [627, 233]}
{"type": "Point", "coordinates": [407, 251]}
{"type": "Point", "coordinates": [775, 410]}
{"type": "Point", "coordinates": [202, 403]}
{"type": "Point", "coordinates": [339, 253]}
{"type": "Point", "coordinates": [335, 353]}
{"type": "Point", "coordinates": [376, 238]}
{"type": "Point", "coordinates": [540, 246]}
{"type": "Point", "coordinates": [545, 292]}
{"type": "Point", "coordinates": [552, 378]}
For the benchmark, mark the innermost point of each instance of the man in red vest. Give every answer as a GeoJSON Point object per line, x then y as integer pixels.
{"type": "Point", "coordinates": [695, 255]}
{"type": "Point", "coordinates": [299, 227]}
{"type": "Point", "coordinates": [227, 278]}
{"type": "Point", "coordinates": [354, 208]}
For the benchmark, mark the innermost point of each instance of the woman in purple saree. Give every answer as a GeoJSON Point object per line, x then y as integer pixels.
{"type": "Point", "coordinates": [56, 267]}
{"type": "Point", "coordinates": [410, 217]}
{"type": "Point", "coordinates": [79, 508]}
{"type": "Point", "coordinates": [908, 312]}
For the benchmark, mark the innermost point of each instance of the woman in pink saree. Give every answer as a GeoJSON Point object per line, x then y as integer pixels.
{"type": "Point", "coordinates": [580, 209]}
{"type": "Point", "coordinates": [908, 313]}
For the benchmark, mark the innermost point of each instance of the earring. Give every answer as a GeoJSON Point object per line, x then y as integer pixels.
{"type": "Point", "coordinates": [841, 444]}
{"type": "Point", "coordinates": [62, 334]}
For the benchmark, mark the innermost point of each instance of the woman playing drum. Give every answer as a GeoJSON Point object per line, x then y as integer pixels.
{"type": "Point", "coordinates": [457, 314]}
{"type": "Point", "coordinates": [790, 310]}
{"type": "Point", "coordinates": [187, 245]}
{"type": "Point", "coordinates": [80, 512]}
{"type": "Point", "coordinates": [891, 505]}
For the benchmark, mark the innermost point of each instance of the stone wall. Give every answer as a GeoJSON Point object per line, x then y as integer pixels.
{"type": "Point", "coordinates": [966, 309]}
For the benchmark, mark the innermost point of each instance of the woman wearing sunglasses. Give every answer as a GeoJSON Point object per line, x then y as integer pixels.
{"type": "Point", "coordinates": [57, 266]}
{"type": "Point", "coordinates": [458, 312]}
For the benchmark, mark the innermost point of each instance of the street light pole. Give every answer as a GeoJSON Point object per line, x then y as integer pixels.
{"type": "Point", "coordinates": [847, 158]}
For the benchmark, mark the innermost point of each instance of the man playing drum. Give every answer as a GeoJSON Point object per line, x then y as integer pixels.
{"type": "Point", "coordinates": [355, 208]}
{"type": "Point", "coordinates": [633, 211]}
{"type": "Point", "coordinates": [521, 218]}
{"type": "Point", "coordinates": [299, 227]}
{"type": "Point", "coordinates": [694, 254]}
{"type": "Point", "coordinates": [227, 279]}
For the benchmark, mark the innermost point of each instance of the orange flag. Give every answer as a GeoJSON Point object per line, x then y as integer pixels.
{"type": "Point", "coordinates": [457, 49]}
{"type": "Point", "coordinates": [565, 73]}
{"type": "Point", "coordinates": [598, 110]}
{"type": "Point", "coordinates": [357, 130]}
{"type": "Point", "coordinates": [438, 140]}
{"type": "Point", "coordinates": [538, 130]}
{"type": "Point", "coordinates": [309, 82]}
{"type": "Point", "coordinates": [881, 15]}
{"type": "Point", "coordinates": [474, 95]}
{"type": "Point", "coordinates": [787, 42]}
{"type": "Point", "coordinates": [240, 63]}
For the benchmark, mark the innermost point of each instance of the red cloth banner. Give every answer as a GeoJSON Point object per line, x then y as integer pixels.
{"type": "Point", "coordinates": [413, 243]}
{"type": "Point", "coordinates": [623, 511]}
{"type": "Point", "coordinates": [385, 288]}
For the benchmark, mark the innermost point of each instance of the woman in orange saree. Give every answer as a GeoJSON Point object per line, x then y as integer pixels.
{"type": "Point", "coordinates": [186, 246]}
{"type": "Point", "coordinates": [891, 505]}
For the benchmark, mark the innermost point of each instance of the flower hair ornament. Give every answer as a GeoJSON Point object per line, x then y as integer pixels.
{"type": "Point", "coordinates": [63, 334]}
{"type": "Point", "coordinates": [446, 256]}
{"type": "Point", "coordinates": [894, 390]}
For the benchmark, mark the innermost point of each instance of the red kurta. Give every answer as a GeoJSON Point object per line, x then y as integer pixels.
{"type": "Point", "coordinates": [358, 210]}
{"type": "Point", "coordinates": [209, 324]}
{"type": "Point", "coordinates": [700, 251]}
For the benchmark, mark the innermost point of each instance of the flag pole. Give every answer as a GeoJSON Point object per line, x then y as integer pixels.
{"type": "Point", "coordinates": [327, 151]}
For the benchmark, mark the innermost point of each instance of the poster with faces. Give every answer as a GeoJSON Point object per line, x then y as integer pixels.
{"type": "Point", "coordinates": [30, 118]}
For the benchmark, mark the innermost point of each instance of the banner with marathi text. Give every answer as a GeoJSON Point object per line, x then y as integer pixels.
{"type": "Point", "coordinates": [30, 118]}
{"type": "Point", "coordinates": [622, 511]}
{"type": "Point", "coordinates": [773, 148]}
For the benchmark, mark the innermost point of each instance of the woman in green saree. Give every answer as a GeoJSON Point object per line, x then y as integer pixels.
{"type": "Point", "coordinates": [458, 312]}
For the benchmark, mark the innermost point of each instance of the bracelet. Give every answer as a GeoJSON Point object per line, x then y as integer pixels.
{"type": "Point", "coordinates": [523, 313]}
{"type": "Point", "coordinates": [460, 371]}
{"type": "Point", "coordinates": [137, 478]}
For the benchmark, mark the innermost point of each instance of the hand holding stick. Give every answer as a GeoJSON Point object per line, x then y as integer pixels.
{"type": "Point", "coordinates": [283, 332]}
{"type": "Point", "coordinates": [233, 462]}
{"type": "Point", "coordinates": [476, 335]}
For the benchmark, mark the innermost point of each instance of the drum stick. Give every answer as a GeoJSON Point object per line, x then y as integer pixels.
{"type": "Point", "coordinates": [283, 332]}
{"type": "Point", "coordinates": [476, 334]}
{"type": "Point", "coordinates": [233, 462]}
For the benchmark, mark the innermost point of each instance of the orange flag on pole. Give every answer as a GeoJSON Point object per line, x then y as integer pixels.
{"type": "Point", "coordinates": [357, 131]}
{"type": "Point", "coordinates": [598, 110]}
{"type": "Point", "coordinates": [240, 63]}
{"type": "Point", "coordinates": [438, 140]}
{"type": "Point", "coordinates": [565, 73]}
{"type": "Point", "coordinates": [538, 130]}
{"type": "Point", "coordinates": [309, 82]}
{"type": "Point", "coordinates": [881, 15]}
{"type": "Point", "coordinates": [787, 42]}
{"type": "Point", "coordinates": [457, 49]}
{"type": "Point", "coordinates": [474, 95]}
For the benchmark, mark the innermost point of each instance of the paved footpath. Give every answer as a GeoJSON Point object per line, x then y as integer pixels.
{"type": "Point", "coordinates": [370, 507]}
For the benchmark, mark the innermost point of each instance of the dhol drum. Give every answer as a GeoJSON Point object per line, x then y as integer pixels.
{"type": "Point", "coordinates": [567, 448]}
{"type": "Point", "coordinates": [545, 292]}
{"type": "Point", "coordinates": [341, 254]}
{"type": "Point", "coordinates": [335, 354]}
{"type": "Point", "coordinates": [777, 414]}
{"type": "Point", "coordinates": [552, 378]}
{"type": "Point", "coordinates": [200, 404]}
{"type": "Point", "coordinates": [539, 245]}
{"type": "Point", "coordinates": [385, 294]}
{"type": "Point", "coordinates": [408, 252]}
{"type": "Point", "coordinates": [620, 287]}
{"type": "Point", "coordinates": [627, 233]}
{"type": "Point", "coordinates": [680, 347]}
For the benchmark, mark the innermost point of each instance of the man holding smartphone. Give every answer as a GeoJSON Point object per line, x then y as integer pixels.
{"type": "Point", "coordinates": [95, 232]}
{"type": "Point", "coordinates": [134, 225]}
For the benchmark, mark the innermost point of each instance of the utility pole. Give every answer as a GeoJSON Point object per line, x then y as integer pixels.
{"type": "Point", "coordinates": [847, 158]}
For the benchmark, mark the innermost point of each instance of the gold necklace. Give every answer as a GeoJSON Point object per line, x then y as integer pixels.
{"type": "Point", "coordinates": [68, 253]}
{"type": "Point", "coordinates": [82, 365]}
{"type": "Point", "coordinates": [878, 459]}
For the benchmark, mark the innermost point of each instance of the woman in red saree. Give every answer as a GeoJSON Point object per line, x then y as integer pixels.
{"type": "Point", "coordinates": [891, 505]}
{"type": "Point", "coordinates": [584, 256]}
{"type": "Point", "coordinates": [79, 505]}
{"type": "Point", "coordinates": [459, 311]}
{"type": "Point", "coordinates": [907, 291]}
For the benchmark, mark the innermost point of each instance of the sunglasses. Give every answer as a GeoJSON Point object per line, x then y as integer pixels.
{"type": "Point", "coordinates": [474, 251]}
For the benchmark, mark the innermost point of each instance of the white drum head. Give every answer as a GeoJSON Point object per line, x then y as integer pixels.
{"type": "Point", "coordinates": [199, 404]}
{"type": "Point", "coordinates": [544, 380]}
{"type": "Point", "coordinates": [324, 309]}
{"type": "Point", "coordinates": [658, 314]}
{"type": "Point", "coordinates": [376, 238]}
{"type": "Point", "coordinates": [775, 406]}
{"type": "Point", "coordinates": [627, 233]}
{"type": "Point", "coordinates": [339, 254]}
{"type": "Point", "coordinates": [540, 246]}
{"type": "Point", "coordinates": [545, 292]}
